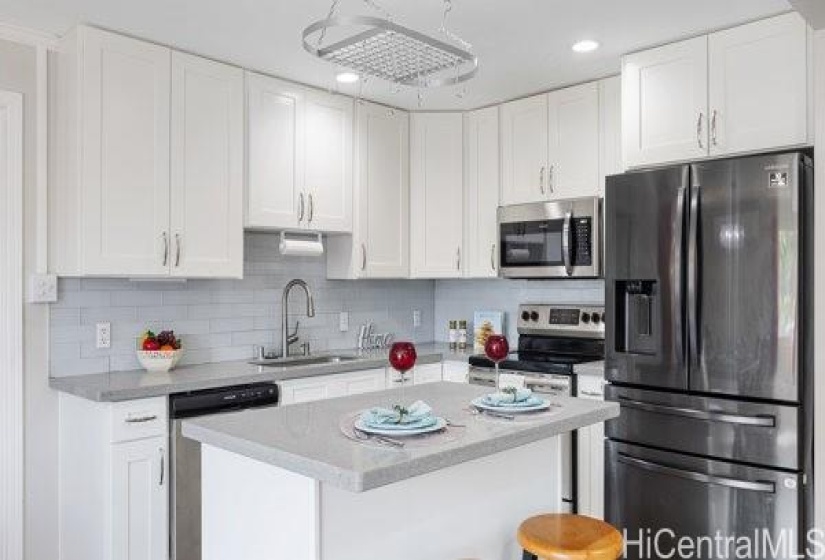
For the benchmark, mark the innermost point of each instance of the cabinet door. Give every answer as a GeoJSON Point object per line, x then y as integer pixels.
{"type": "Point", "coordinates": [610, 129]}
{"type": "Point", "coordinates": [328, 162]}
{"type": "Point", "coordinates": [481, 192]}
{"type": "Point", "coordinates": [573, 142]}
{"type": "Point", "coordinates": [124, 132]}
{"type": "Point", "coordinates": [207, 168]}
{"type": "Point", "coordinates": [591, 453]}
{"type": "Point", "coordinates": [140, 500]}
{"type": "Point", "coordinates": [383, 192]}
{"type": "Point", "coordinates": [664, 103]}
{"type": "Point", "coordinates": [524, 150]}
{"type": "Point", "coordinates": [308, 390]}
{"type": "Point", "coordinates": [427, 373]}
{"type": "Point", "coordinates": [359, 382]}
{"type": "Point", "coordinates": [759, 86]}
{"type": "Point", "coordinates": [275, 157]}
{"type": "Point", "coordinates": [436, 195]}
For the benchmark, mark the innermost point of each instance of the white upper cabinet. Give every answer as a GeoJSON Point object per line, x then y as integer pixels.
{"type": "Point", "coordinates": [328, 162]}
{"type": "Point", "coordinates": [148, 166]}
{"type": "Point", "coordinates": [481, 192]}
{"type": "Point", "coordinates": [275, 128]}
{"type": "Point", "coordinates": [380, 243]}
{"type": "Point", "coordinates": [207, 168]}
{"type": "Point", "coordinates": [436, 195]}
{"type": "Point", "coordinates": [664, 103]}
{"type": "Point", "coordinates": [300, 157]}
{"type": "Point", "coordinates": [524, 150]}
{"type": "Point", "coordinates": [573, 142]}
{"type": "Point", "coordinates": [741, 90]}
{"type": "Point", "coordinates": [758, 86]}
{"type": "Point", "coordinates": [610, 129]}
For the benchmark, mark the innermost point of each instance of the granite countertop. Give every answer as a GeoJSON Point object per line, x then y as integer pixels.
{"type": "Point", "coordinates": [130, 385]}
{"type": "Point", "coordinates": [306, 438]}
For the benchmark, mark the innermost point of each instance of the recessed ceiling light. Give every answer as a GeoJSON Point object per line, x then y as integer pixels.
{"type": "Point", "coordinates": [585, 46]}
{"type": "Point", "coordinates": [346, 77]}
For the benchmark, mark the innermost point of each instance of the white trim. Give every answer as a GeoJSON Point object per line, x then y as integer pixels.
{"type": "Point", "coordinates": [11, 327]}
{"type": "Point", "coordinates": [27, 36]}
{"type": "Point", "coordinates": [819, 279]}
{"type": "Point", "coordinates": [42, 155]}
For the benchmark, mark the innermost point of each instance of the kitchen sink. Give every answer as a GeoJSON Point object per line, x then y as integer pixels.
{"type": "Point", "coordinates": [297, 361]}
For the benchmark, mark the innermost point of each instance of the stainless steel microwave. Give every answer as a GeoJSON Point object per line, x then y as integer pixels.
{"type": "Point", "coordinates": [559, 239]}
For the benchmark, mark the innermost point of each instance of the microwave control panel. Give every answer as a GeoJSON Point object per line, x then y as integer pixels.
{"type": "Point", "coordinates": [582, 235]}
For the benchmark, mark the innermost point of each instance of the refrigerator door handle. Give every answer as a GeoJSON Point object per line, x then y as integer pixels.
{"type": "Point", "coordinates": [565, 243]}
{"type": "Point", "coordinates": [742, 420]}
{"type": "Point", "coordinates": [676, 250]}
{"type": "Point", "coordinates": [693, 280]}
{"type": "Point", "coordinates": [766, 487]}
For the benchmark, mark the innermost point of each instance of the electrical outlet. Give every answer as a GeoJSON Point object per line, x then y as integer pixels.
{"type": "Point", "coordinates": [343, 321]}
{"type": "Point", "coordinates": [42, 288]}
{"type": "Point", "coordinates": [416, 318]}
{"type": "Point", "coordinates": [104, 336]}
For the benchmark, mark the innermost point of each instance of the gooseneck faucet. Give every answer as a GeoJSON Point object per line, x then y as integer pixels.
{"type": "Point", "coordinates": [288, 339]}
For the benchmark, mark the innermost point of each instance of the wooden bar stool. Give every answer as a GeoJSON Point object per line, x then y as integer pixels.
{"type": "Point", "coordinates": [564, 536]}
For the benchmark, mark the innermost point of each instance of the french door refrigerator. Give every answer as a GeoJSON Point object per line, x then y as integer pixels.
{"type": "Point", "coordinates": [708, 292]}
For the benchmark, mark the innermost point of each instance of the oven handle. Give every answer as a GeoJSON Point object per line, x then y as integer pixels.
{"type": "Point", "coordinates": [759, 421]}
{"type": "Point", "coordinates": [766, 487]}
{"type": "Point", "coordinates": [565, 243]}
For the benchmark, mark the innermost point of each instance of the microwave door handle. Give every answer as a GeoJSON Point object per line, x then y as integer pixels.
{"type": "Point", "coordinates": [565, 243]}
{"type": "Point", "coordinates": [753, 486]}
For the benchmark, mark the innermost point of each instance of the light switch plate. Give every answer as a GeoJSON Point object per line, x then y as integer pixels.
{"type": "Point", "coordinates": [42, 288]}
{"type": "Point", "coordinates": [343, 321]}
{"type": "Point", "coordinates": [104, 336]}
{"type": "Point", "coordinates": [416, 318]}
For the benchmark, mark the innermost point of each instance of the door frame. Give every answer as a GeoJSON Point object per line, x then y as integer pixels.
{"type": "Point", "coordinates": [11, 324]}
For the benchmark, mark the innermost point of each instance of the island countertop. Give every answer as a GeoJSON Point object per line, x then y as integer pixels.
{"type": "Point", "coordinates": [306, 438]}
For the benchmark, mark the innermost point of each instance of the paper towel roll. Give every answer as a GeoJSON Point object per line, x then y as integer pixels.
{"type": "Point", "coordinates": [301, 247]}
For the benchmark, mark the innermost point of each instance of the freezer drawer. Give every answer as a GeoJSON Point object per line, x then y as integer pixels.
{"type": "Point", "coordinates": [762, 434]}
{"type": "Point", "coordinates": [651, 490]}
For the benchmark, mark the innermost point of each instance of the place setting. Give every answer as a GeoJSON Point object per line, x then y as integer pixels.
{"type": "Point", "coordinates": [401, 425]}
{"type": "Point", "coordinates": [510, 403]}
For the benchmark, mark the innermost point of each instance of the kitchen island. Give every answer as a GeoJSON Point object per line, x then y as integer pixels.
{"type": "Point", "coordinates": [286, 483]}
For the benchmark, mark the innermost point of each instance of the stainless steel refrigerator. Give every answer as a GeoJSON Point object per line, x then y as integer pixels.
{"type": "Point", "coordinates": [708, 293]}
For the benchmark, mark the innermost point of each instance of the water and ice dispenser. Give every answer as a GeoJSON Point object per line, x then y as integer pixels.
{"type": "Point", "coordinates": [638, 321]}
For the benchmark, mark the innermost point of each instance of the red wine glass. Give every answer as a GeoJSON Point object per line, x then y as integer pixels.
{"type": "Point", "coordinates": [497, 349]}
{"type": "Point", "coordinates": [402, 358]}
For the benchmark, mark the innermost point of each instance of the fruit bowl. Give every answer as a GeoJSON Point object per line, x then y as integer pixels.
{"type": "Point", "coordinates": [159, 360]}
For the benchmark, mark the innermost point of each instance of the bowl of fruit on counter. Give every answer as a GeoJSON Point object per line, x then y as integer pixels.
{"type": "Point", "coordinates": [159, 352]}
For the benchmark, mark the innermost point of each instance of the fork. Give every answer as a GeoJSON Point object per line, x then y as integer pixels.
{"type": "Point", "coordinates": [364, 436]}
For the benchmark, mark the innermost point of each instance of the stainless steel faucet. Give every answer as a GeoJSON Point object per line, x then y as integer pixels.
{"type": "Point", "coordinates": [288, 339]}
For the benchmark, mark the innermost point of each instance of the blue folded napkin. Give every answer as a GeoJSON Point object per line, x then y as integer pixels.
{"type": "Point", "coordinates": [418, 415]}
{"type": "Point", "coordinates": [521, 396]}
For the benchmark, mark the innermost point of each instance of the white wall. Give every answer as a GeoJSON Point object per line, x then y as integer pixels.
{"type": "Point", "coordinates": [18, 72]}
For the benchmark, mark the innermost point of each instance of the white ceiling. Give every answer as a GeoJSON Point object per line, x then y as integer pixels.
{"type": "Point", "coordinates": [523, 45]}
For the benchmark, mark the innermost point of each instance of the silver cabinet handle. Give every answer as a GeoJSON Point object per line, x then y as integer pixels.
{"type": "Point", "coordinates": [363, 256]}
{"type": "Point", "coordinates": [541, 180]}
{"type": "Point", "coordinates": [758, 421]}
{"type": "Point", "coordinates": [162, 466]}
{"type": "Point", "coordinates": [766, 487]}
{"type": "Point", "coordinates": [565, 244]}
{"type": "Point", "coordinates": [699, 129]}
{"type": "Point", "coordinates": [165, 237]}
{"type": "Point", "coordinates": [551, 178]}
{"type": "Point", "coordinates": [458, 259]}
{"type": "Point", "coordinates": [300, 207]}
{"type": "Point", "coordinates": [311, 208]}
{"type": "Point", "coordinates": [493, 257]}
{"type": "Point", "coordinates": [141, 419]}
{"type": "Point", "coordinates": [177, 250]}
{"type": "Point", "coordinates": [713, 139]}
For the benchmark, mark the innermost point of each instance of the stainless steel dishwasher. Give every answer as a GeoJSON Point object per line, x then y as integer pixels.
{"type": "Point", "coordinates": [185, 490]}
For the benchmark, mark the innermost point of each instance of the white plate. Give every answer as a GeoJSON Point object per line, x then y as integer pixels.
{"type": "Point", "coordinates": [440, 424]}
{"type": "Point", "coordinates": [479, 403]}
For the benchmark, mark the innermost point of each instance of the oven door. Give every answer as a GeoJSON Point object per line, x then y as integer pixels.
{"type": "Point", "coordinates": [550, 240]}
{"type": "Point", "coordinates": [650, 492]}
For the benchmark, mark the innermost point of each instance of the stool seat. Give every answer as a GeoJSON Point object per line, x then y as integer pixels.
{"type": "Point", "coordinates": [566, 536]}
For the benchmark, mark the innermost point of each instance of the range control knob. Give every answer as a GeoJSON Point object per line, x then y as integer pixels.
{"type": "Point", "coordinates": [534, 316]}
{"type": "Point", "coordinates": [596, 320]}
{"type": "Point", "coordinates": [525, 315]}
{"type": "Point", "coordinates": [585, 318]}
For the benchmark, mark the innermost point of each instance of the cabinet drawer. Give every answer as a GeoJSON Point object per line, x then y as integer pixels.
{"type": "Point", "coordinates": [132, 420]}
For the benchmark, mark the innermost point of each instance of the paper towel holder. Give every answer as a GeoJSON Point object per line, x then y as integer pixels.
{"type": "Point", "coordinates": [309, 243]}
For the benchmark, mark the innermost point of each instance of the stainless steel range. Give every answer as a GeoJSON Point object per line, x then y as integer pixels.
{"type": "Point", "coordinates": [554, 340]}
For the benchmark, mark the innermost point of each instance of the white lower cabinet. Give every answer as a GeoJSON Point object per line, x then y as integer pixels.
{"type": "Point", "coordinates": [420, 374]}
{"type": "Point", "coordinates": [591, 452]}
{"type": "Point", "coordinates": [322, 387]}
{"type": "Point", "coordinates": [114, 473]}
